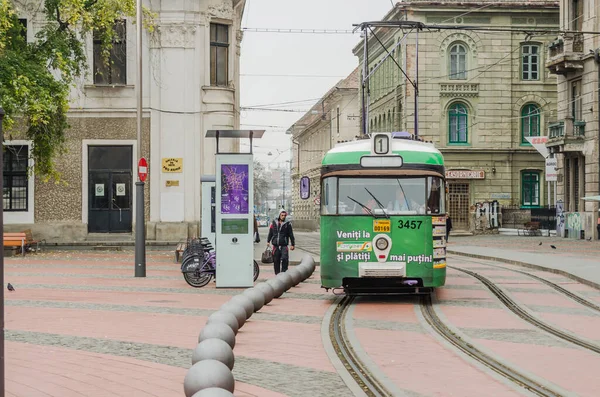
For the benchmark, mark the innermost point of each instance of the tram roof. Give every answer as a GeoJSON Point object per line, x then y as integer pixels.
{"type": "Point", "coordinates": [414, 152]}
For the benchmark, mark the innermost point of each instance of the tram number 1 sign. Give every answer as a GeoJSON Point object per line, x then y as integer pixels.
{"type": "Point", "coordinates": [381, 144]}
{"type": "Point", "coordinates": [143, 169]}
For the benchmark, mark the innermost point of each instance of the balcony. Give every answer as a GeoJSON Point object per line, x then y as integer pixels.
{"type": "Point", "coordinates": [566, 136]}
{"type": "Point", "coordinates": [459, 89]}
{"type": "Point", "coordinates": [564, 54]}
{"type": "Point", "coordinates": [556, 130]}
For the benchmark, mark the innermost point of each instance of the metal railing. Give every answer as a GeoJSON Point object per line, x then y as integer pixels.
{"type": "Point", "coordinates": [579, 128]}
{"type": "Point", "coordinates": [556, 130]}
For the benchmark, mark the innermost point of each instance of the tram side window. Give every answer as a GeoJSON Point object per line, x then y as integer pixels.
{"type": "Point", "coordinates": [329, 196]}
{"type": "Point", "coordinates": [435, 196]}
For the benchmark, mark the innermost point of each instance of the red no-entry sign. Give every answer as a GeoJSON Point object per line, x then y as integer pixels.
{"type": "Point", "coordinates": [143, 169]}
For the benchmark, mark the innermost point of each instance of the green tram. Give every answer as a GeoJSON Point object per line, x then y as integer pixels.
{"type": "Point", "coordinates": [383, 216]}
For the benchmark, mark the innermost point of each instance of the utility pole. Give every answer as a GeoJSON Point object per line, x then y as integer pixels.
{"type": "Point", "coordinates": [140, 224]}
{"type": "Point", "coordinates": [2, 261]}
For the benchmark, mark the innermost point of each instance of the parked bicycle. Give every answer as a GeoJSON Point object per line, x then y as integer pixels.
{"type": "Point", "coordinates": [199, 261]}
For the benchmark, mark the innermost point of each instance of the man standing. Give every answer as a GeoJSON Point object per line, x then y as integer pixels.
{"type": "Point", "coordinates": [448, 226]}
{"type": "Point", "coordinates": [280, 235]}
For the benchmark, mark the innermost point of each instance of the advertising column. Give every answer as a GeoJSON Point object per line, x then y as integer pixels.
{"type": "Point", "coordinates": [234, 220]}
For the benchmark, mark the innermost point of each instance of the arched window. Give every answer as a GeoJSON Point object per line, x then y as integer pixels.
{"type": "Point", "coordinates": [458, 62]}
{"type": "Point", "coordinates": [458, 117]}
{"type": "Point", "coordinates": [530, 122]}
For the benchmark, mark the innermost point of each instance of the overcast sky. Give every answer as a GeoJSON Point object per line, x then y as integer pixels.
{"type": "Point", "coordinates": [271, 62]}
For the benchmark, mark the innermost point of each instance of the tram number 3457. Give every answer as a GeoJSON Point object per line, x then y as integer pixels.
{"type": "Point", "coordinates": [409, 224]}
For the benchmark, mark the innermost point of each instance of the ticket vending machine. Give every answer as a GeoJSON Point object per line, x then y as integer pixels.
{"type": "Point", "coordinates": [209, 208]}
{"type": "Point", "coordinates": [234, 215]}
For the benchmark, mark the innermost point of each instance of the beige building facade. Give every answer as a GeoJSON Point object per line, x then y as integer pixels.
{"type": "Point", "coordinates": [480, 95]}
{"type": "Point", "coordinates": [575, 59]}
{"type": "Point", "coordinates": [190, 85]}
{"type": "Point", "coordinates": [333, 119]}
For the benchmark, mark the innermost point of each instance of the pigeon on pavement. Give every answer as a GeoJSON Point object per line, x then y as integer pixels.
{"type": "Point", "coordinates": [553, 247]}
{"type": "Point", "coordinates": [10, 287]}
{"type": "Point", "coordinates": [540, 243]}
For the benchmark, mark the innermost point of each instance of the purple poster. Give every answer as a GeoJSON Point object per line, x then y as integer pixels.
{"type": "Point", "coordinates": [234, 188]}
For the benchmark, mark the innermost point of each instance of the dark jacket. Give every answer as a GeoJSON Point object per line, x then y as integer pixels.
{"type": "Point", "coordinates": [280, 234]}
{"type": "Point", "coordinates": [448, 224]}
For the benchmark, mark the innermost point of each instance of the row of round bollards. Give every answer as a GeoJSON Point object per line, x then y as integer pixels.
{"type": "Point", "coordinates": [213, 358]}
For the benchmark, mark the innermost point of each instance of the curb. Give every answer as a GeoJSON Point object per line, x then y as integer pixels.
{"type": "Point", "coordinates": [528, 265]}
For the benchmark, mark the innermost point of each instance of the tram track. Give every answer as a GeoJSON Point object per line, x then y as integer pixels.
{"type": "Point", "coordinates": [470, 350]}
{"type": "Point", "coordinates": [522, 313]}
{"type": "Point", "coordinates": [368, 383]}
{"type": "Point", "coordinates": [556, 287]}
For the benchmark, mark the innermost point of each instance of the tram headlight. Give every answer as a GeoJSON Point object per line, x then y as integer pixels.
{"type": "Point", "coordinates": [381, 244]}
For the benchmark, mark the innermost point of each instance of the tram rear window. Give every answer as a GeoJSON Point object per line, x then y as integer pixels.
{"type": "Point", "coordinates": [396, 196]}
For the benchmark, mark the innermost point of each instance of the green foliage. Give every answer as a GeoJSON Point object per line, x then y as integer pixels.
{"type": "Point", "coordinates": [36, 77]}
{"type": "Point", "coordinates": [261, 183]}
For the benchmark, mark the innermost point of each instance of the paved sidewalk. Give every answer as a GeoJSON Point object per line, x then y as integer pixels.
{"type": "Point", "coordinates": [577, 259]}
{"type": "Point", "coordinates": [85, 326]}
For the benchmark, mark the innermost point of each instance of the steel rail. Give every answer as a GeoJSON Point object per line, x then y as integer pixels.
{"type": "Point", "coordinates": [549, 283]}
{"type": "Point", "coordinates": [361, 375]}
{"type": "Point", "coordinates": [519, 311]}
{"type": "Point", "coordinates": [512, 374]}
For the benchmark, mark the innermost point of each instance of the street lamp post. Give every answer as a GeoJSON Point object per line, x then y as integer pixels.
{"type": "Point", "coordinates": [2, 261]}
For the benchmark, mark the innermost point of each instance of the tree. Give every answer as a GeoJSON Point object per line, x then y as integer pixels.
{"type": "Point", "coordinates": [261, 183]}
{"type": "Point", "coordinates": [36, 77]}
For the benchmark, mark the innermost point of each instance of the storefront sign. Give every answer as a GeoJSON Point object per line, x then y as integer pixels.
{"type": "Point", "coordinates": [539, 144]}
{"type": "Point", "coordinates": [465, 174]}
{"type": "Point", "coordinates": [172, 165]}
{"type": "Point", "coordinates": [551, 173]}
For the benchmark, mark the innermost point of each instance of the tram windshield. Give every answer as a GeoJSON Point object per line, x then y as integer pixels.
{"type": "Point", "coordinates": [382, 196]}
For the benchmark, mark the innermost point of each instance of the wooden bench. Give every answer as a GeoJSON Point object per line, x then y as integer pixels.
{"type": "Point", "coordinates": [30, 241]}
{"type": "Point", "coordinates": [181, 246]}
{"type": "Point", "coordinates": [530, 229]}
{"type": "Point", "coordinates": [15, 240]}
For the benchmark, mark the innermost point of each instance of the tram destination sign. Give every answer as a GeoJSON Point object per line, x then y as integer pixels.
{"type": "Point", "coordinates": [465, 174]}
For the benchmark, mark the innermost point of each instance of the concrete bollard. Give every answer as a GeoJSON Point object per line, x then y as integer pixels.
{"type": "Point", "coordinates": [219, 331]}
{"type": "Point", "coordinates": [244, 302]}
{"type": "Point", "coordinates": [226, 318]}
{"type": "Point", "coordinates": [278, 287]}
{"type": "Point", "coordinates": [267, 291]}
{"type": "Point", "coordinates": [286, 279]}
{"type": "Point", "coordinates": [214, 349]}
{"type": "Point", "coordinates": [213, 392]}
{"type": "Point", "coordinates": [304, 271]}
{"type": "Point", "coordinates": [295, 275]}
{"type": "Point", "coordinates": [208, 374]}
{"type": "Point", "coordinates": [238, 311]}
{"type": "Point", "coordinates": [256, 296]}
